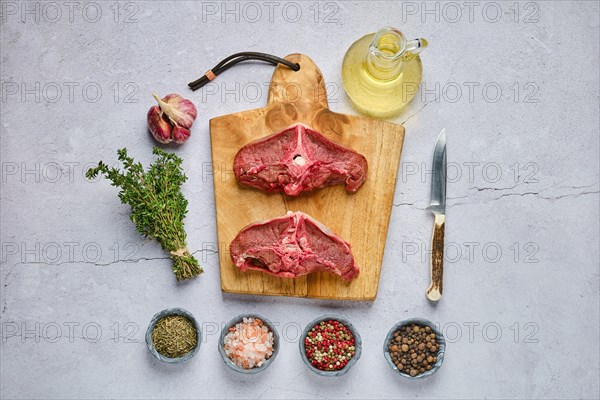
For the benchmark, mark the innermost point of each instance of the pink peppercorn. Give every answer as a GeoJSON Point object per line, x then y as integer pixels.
{"type": "Point", "coordinates": [330, 345]}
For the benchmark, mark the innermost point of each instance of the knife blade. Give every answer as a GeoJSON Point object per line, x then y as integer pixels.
{"type": "Point", "coordinates": [437, 206]}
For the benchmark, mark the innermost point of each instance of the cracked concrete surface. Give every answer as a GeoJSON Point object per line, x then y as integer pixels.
{"type": "Point", "coordinates": [519, 101]}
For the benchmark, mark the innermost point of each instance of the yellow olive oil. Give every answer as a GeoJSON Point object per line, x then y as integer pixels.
{"type": "Point", "coordinates": [380, 74]}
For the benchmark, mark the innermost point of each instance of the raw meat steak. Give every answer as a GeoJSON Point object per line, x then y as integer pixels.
{"type": "Point", "coordinates": [290, 246]}
{"type": "Point", "coordinates": [298, 159]}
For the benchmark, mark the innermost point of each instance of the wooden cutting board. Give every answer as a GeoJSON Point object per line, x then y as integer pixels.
{"type": "Point", "coordinates": [360, 218]}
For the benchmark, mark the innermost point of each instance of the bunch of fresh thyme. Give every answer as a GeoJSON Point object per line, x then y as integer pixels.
{"type": "Point", "coordinates": [157, 204]}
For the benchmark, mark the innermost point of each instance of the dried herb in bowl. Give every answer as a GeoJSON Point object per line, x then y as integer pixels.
{"type": "Point", "coordinates": [157, 204]}
{"type": "Point", "coordinates": [174, 336]}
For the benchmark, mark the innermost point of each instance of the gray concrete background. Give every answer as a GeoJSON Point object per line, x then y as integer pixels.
{"type": "Point", "coordinates": [516, 87]}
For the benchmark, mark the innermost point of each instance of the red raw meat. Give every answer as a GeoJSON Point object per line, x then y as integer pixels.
{"type": "Point", "coordinates": [296, 160]}
{"type": "Point", "coordinates": [292, 245]}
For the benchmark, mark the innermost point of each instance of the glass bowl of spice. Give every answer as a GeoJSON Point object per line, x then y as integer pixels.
{"type": "Point", "coordinates": [249, 343]}
{"type": "Point", "coordinates": [414, 348]}
{"type": "Point", "coordinates": [330, 346]}
{"type": "Point", "coordinates": [173, 336]}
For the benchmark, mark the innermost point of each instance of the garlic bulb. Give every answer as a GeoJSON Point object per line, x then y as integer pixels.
{"type": "Point", "coordinates": [172, 119]}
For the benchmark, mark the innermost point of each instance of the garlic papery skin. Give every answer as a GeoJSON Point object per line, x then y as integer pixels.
{"type": "Point", "coordinates": [180, 134]}
{"type": "Point", "coordinates": [181, 112]}
{"type": "Point", "coordinates": [172, 119]}
{"type": "Point", "coordinates": [159, 127]}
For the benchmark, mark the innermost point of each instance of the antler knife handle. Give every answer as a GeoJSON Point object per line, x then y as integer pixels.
{"type": "Point", "coordinates": [434, 293]}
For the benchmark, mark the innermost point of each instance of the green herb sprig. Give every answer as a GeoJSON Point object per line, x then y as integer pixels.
{"type": "Point", "coordinates": [157, 204]}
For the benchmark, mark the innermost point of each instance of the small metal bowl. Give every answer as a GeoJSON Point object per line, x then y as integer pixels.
{"type": "Point", "coordinates": [166, 313]}
{"type": "Point", "coordinates": [438, 336]}
{"type": "Point", "coordinates": [357, 345]}
{"type": "Point", "coordinates": [226, 358]}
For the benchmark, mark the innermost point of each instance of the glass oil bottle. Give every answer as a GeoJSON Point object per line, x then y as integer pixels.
{"type": "Point", "coordinates": [382, 72]}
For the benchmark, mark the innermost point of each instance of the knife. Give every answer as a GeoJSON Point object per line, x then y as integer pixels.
{"type": "Point", "coordinates": [437, 206]}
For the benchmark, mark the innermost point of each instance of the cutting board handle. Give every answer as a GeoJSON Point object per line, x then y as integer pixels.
{"type": "Point", "coordinates": [305, 85]}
